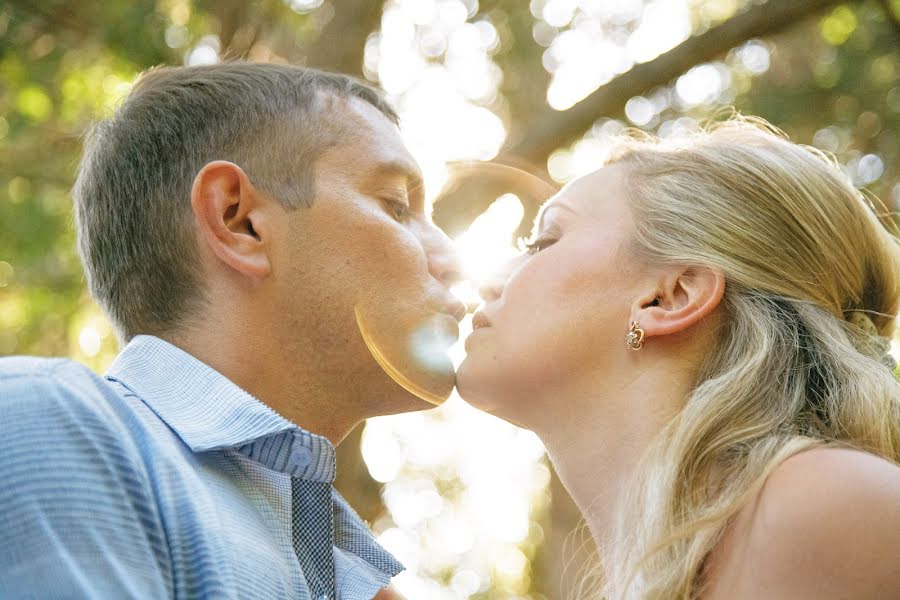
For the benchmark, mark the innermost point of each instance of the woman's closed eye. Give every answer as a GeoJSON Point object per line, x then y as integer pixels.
{"type": "Point", "coordinates": [537, 245]}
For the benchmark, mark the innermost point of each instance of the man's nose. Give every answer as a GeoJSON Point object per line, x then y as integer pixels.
{"type": "Point", "coordinates": [443, 261]}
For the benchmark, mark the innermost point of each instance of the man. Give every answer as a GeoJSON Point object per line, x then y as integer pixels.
{"type": "Point", "coordinates": [257, 236]}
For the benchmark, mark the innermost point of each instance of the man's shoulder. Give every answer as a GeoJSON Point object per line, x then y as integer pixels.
{"type": "Point", "coordinates": [78, 515]}
{"type": "Point", "coordinates": [12, 367]}
{"type": "Point", "coordinates": [48, 371]}
{"type": "Point", "coordinates": [61, 421]}
{"type": "Point", "coordinates": [50, 389]}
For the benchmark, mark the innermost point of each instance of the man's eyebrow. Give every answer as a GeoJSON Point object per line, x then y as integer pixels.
{"type": "Point", "coordinates": [404, 169]}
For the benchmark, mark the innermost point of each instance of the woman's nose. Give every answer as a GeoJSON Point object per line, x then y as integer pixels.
{"type": "Point", "coordinates": [491, 288]}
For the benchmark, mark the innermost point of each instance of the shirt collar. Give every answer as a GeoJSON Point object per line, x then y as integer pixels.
{"type": "Point", "coordinates": [209, 412]}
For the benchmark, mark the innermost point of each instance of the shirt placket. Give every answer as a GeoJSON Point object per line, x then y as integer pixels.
{"type": "Point", "coordinates": [312, 525]}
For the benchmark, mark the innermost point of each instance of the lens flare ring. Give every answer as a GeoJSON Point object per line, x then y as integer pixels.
{"type": "Point", "coordinates": [393, 372]}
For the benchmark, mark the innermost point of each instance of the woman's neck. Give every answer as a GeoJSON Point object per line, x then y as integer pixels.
{"type": "Point", "coordinates": [595, 448]}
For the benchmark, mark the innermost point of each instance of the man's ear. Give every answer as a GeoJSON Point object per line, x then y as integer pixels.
{"type": "Point", "coordinates": [683, 298]}
{"type": "Point", "coordinates": [230, 218]}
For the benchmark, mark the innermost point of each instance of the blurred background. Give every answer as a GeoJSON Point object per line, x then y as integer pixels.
{"type": "Point", "coordinates": [540, 85]}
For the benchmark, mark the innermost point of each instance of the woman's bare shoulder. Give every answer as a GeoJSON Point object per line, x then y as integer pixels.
{"type": "Point", "coordinates": [826, 524]}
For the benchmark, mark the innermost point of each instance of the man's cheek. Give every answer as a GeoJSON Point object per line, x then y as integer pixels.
{"type": "Point", "coordinates": [406, 257]}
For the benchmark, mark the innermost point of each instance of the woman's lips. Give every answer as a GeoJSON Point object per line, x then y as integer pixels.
{"type": "Point", "coordinates": [479, 321]}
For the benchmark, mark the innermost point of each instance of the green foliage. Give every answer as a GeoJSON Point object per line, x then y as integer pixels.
{"type": "Point", "coordinates": [840, 73]}
{"type": "Point", "coordinates": [61, 66]}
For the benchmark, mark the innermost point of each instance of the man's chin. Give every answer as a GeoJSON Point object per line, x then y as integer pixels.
{"type": "Point", "coordinates": [430, 383]}
{"type": "Point", "coordinates": [418, 361]}
{"type": "Point", "coordinates": [440, 382]}
{"type": "Point", "coordinates": [418, 388]}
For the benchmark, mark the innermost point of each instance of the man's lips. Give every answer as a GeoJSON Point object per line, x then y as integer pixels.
{"type": "Point", "coordinates": [479, 320]}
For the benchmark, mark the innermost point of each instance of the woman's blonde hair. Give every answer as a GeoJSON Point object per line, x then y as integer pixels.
{"type": "Point", "coordinates": [800, 249]}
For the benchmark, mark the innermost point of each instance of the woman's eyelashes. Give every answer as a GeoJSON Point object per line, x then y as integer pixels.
{"type": "Point", "coordinates": [540, 241]}
{"type": "Point", "coordinates": [535, 246]}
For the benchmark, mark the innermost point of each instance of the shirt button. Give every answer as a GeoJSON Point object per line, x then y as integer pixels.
{"type": "Point", "coordinates": [301, 456]}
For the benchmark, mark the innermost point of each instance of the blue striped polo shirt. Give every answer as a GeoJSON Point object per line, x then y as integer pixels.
{"type": "Point", "coordinates": [162, 479]}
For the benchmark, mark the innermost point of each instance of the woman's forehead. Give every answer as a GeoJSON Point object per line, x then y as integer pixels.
{"type": "Point", "coordinates": [595, 195]}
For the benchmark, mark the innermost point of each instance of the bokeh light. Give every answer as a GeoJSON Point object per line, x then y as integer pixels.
{"type": "Point", "coordinates": [486, 245]}
{"type": "Point", "coordinates": [435, 64]}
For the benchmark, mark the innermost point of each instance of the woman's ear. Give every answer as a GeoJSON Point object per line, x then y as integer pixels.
{"type": "Point", "coordinates": [683, 298]}
{"type": "Point", "coordinates": [230, 218]}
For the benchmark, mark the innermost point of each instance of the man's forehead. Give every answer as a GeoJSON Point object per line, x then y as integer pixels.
{"type": "Point", "coordinates": [358, 111]}
{"type": "Point", "coordinates": [376, 161]}
{"type": "Point", "coordinates": [397, 166]}
{"type": "Point", "coordinates": [363, 125]}
{"type": "Point", "coordinates": [371, 140]}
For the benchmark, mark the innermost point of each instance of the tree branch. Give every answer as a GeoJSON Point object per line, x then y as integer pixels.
{"type": "Point", "coordinates": [234, 16]}
{"type": "Point", "coordinates": [551, 129]}
{"type": "Point", "coordinates": [342, 42]}
{"type": "Point", "coordinates": [546, 129]}
{"type": "Point", "coordinates": [59, 17]}
{"type": "Point", "coordinates": [892, 16]}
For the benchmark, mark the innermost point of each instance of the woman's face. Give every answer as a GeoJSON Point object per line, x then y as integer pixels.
{"type": "Point", "coordinates": [555, 319]}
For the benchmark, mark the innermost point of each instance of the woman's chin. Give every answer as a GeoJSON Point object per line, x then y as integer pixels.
{"type": "Point", "coordinates": [467, 377]}
{"type": "Point", "coordinates": [477, 385]}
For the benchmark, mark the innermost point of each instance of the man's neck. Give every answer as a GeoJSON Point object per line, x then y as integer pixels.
{"type": "Point", "coordinates": [298, 396]}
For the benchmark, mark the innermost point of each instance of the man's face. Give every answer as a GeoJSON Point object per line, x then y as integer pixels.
{"type": "Point", "coordinates": [366, 255]}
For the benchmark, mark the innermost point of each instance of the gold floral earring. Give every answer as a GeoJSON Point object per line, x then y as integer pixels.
{"type": "Point", "coordinates": [635, 337]}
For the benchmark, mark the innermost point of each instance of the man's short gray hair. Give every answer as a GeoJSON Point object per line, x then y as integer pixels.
{"type": "Point", "coordinates": [132, 196]}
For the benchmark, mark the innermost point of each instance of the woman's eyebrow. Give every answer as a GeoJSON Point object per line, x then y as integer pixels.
{"type": "Point", "coordinates": [558, 205]}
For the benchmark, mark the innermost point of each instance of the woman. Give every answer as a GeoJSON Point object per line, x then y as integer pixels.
{"type": "Point", "coordinates": [698, 335]}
